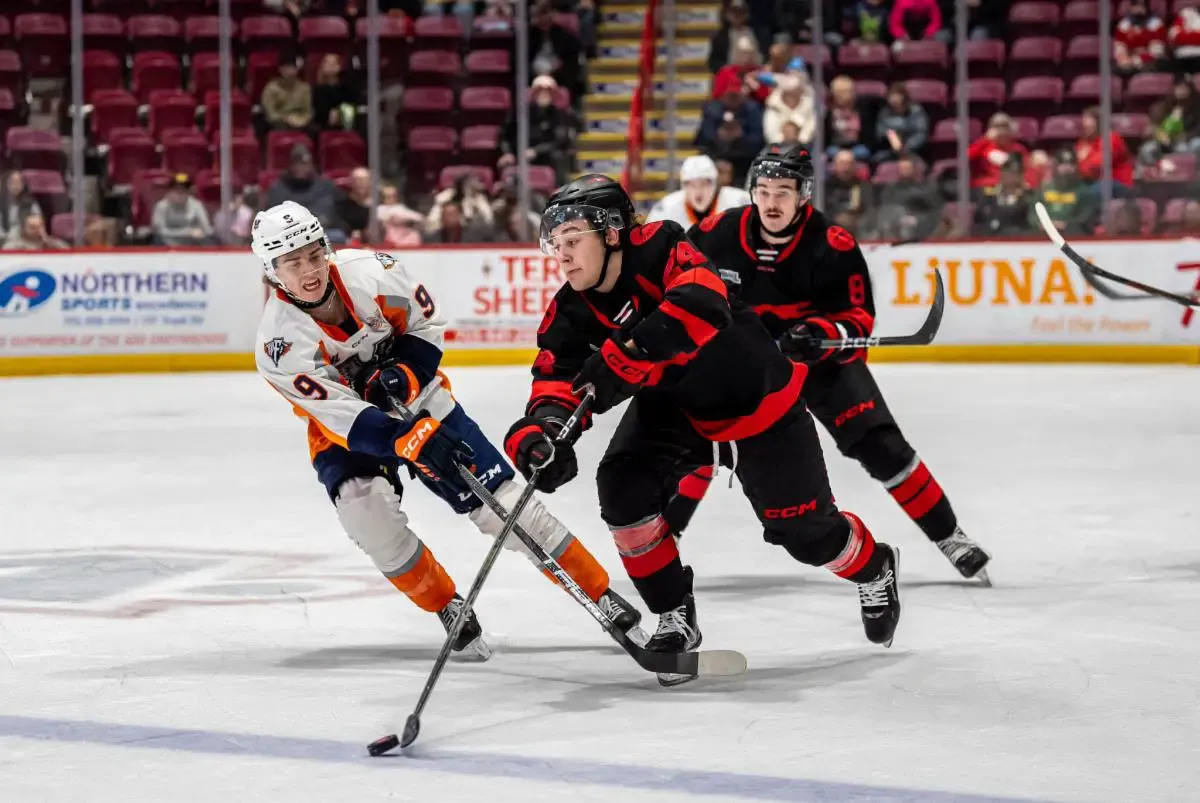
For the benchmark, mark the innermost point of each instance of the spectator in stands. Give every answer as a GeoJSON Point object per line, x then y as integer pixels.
{"type": "Point", "coordinates": [302, 184]}
{"type": "Point", "coordinates": [550, 129]}
{"type": "Point", "coordinates": [914, 20]}
{"type": "Point", "coordinates": [553, 50]}
{"type": "Point", "coordinates": [586, 9]}
{"type": "Point", "coordinates": [452, 228]}
{"type": "Point", "coordinates": [901, 127]}
{"type": "Point", "coordinates": [1183, 40]}
{"type": "Point", "coordinates": [731, 127]}
{"type": "Point", "coordinates": [734, 26]}
{"type": "Point", "coordinates": [511, 230]}
{"type": "Point", "coordinates": [179, 218]}
{"type": "Point", "coordinates": [1038, 169]}
{"type": "Point", "coordinates": [844, 120]}
{"type": "Point", "coordinates": [1140, 39]}
{"type": "Point", "coordinates": [232, 224]}
{"type": "Point", "coordinates": [762, 81]}
{"type": "Point", "coordinates": [868, 21]}
{"type": "Point", "coordinates": [1091, 155]}
{"type": "Point", "coordinates": [848, 199]}
{"type": "Point", "coordinates": [401, 225]}
{"type": "Point", "coordinates": [16, 204]}
{"type": "Point", "coordinates": [471, 201]}
{"type": "Point", "coordinates": [31, 235]}
{"type": "Point", "coordinates": [986, 19]}
{"type": "Point", "coordinates": [908, 208]}
{"type": "Point", "coordinates": [1125, 219]}
{"type": "Point", "coordinates": [354, 207]}
{"type": "Point", "coordinates": [333, 101]}
{"type": "Point", "coordinates": [294, 9]}
{"type": "Point", "coordinates": [98, 232]}
{"type": "Point", "coordinates": [790, 103]}
{"type": "Point", "coordinates": [725, 174]}
{"type": "Point", "coordinates": [993, 150]}
{"type": "Point", "coordinates": [1071, 206]}
{"type": "Point", "coordinates": [287, 100]}
{"type": "Point", "coordinates": [744, 64]}
{"type": "Point", "coordinates": [497, 15]}
{"type": "Point", "coordinates": [1176, 124]}
{"type": "Point", "coordinates": [1005, 208]}
{"type": "Point", "coordinates": [1189, 223]}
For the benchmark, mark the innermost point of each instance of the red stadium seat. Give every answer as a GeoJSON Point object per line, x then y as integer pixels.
{"type": "Point", "coordinates": [340, 150]}
{"type": "Point", "coordinates": [239, 112]}
{"type": "Point", "coordinates": [1060, 131]}
{"type": "Point", "coordinates": [1085, 91]}
{"type": "Point", "coordinates": [479, 145]}
{"type": "Point", "coordinates": [1032, 19]}
{"type": "Point", "coordinates": [130, 150]}
{"type": "Point", "coordinates": [104, 32]}
{"type": "Point", "coordinates": [266, 178]}
{"type": "Point", "coordinates": [62, 225]}
{"type": "Point", "coordinates": [920, 60]}
{"type": "Point", "coordinates": [171, 108]}
{"type": "Point", "coordinates": [148, 186]}
{"type": "Point", "coordinates": [1082, 57]}
{"type": "Point", "coordinates": [985, 58]}
{"type": "Point", "coordinates": [261, 68]}
{"type": "Point", "coordinates": [541, 178]}
{"type": "Point", "coordinates": [433, 68]}
{"type": "Point", "coordinates": [943, 142]}
{"type": "Point", "coordinates": [245, 154]}
{"type": "Point", "coordinates": [870, 89]}
{"type": "Point", "coordinates": [1080, 18]}
{"type": "Point", "coordinates": [206, 73]}
{"type": "Point", "coordinates": [934, 97]}
{"type": "Point", "coordinates": [809, 54]}
{"type": "Point", "coordinates": [10, 112]}
{"type": "Point", "coordinates": [207, 185]}
{"type": "Point", "coordinates": [450, 174]}
{"type": "Point", "coordinates": [6, 34]}
{"type": "Point", "coordinates": [985, 97]}
{"type": "Point", "coordinates": [49, 189]}
{"type": "Point", "coordinates": [155, 70]}
{"type": "Point", "coordinates": [394, 45]}
{"type": "Point", "coordinates": [280, 145]}
{"type": "Point", "coordinates": [1027, 129]}
{"type": "Point", "coordinates": [264, 33]}
{"type": "Point", "coordinates": [1034, 56]}
{"type": "Point", "coordinates": [43, 43]}
{"type": "Point", "coordinates": [1147, 88]}
{"type": "Point", "coordinates": [34, 149]}
{"type": "Point", "coordinates": [426, 106]}
{"type": "Point", "coordinates": [101, 70]}
{"type": "Point", "coordinates": [864, 60]}
{"type": "Point", "coordinates": [112, 109]}
{"type": "Point", "coordinates": [485, 105]}
{"type": "Point", "coordinates": [433, 32]}
{"type": "Point", "coordinates": [1035, 97]}
{"type": "Point", "coordinates": [12, 75]}
{"type": "Point", "coordinates": [1134, 127]}
{"type": "Point", "coordinates": [203, 34]}
{"type": "Point", "coordinates": [324, 34]}
{"type": "Point", "coordinates": [489, 68]}
{"type": "Point", "coordinates": [430, 148]}
{"type": "Point", "coordinates": [155, 32]}
{"type": "Point", "coordinates": [185, 150]}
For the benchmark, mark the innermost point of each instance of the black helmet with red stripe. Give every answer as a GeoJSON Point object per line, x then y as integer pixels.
{"type": "Point", "coordinates": [784, 161]}
{"type": "Point", "coordinates": [600, 203]}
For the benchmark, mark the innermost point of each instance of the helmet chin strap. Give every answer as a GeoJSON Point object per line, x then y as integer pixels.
{"type": "Point", "coordinates": [609, 250]}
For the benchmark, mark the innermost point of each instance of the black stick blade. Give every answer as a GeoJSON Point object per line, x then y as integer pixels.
{"type": "Point", "coordinates": [383, 746]}
{"type": "Point", "coordinates": [412, 729]}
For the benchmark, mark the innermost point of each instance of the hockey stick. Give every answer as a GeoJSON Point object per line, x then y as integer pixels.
{"type": "Point", "coordinates": [1092, 274]}
{"type": "Point", "coordinates": [922, 337]}
{"type": "Point", "coordinates": [412, 725]}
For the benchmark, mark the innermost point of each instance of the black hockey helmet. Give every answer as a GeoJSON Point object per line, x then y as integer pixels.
{"type": "Point", "coordinates": [784, 161]}
{"type": "Point", "coordinates": [595, 198]}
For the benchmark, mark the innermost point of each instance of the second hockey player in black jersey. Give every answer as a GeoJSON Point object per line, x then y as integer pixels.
{"type": "Point", "coordinates": [807, 279]}
{"type": "Point", "coordinates": [644, 316]}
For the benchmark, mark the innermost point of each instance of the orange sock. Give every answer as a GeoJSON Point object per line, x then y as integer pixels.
{"type": "Point", "coordinates": [583, 568]}
{"type": "Point", "coordinates": [426, 583]}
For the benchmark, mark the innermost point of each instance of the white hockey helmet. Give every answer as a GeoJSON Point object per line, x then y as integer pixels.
{"type": "Point", "coordinates": [698, 168]}
{"type": "Point", "coordinates": [281, 230]}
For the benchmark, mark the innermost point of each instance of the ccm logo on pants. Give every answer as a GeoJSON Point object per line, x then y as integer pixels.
{"type": "Point", "coordinates": [792, 512]}
{"type": "Point", "coordinates": [853, 412]}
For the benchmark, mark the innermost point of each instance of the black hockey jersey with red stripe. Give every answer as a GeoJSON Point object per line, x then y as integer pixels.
{"type": "Point", "coordinates": [710, 355]}
{"type": "Point", "coordinates": [821, 271]}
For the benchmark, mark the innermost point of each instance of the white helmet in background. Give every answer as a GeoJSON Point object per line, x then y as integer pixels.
{"type": "Point", "coordinates": [281, 230]}
{"type": "Point", "coordinates": [698, 168]}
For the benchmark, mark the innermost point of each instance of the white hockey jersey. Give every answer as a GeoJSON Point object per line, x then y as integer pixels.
{"type": "Point", "coordinates": [674, 206]}
{"type": "Point", "coordinates": [315, 365]}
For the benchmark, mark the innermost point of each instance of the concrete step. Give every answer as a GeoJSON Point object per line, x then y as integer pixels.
{"type": "Point", "coordinates": [617, 122]}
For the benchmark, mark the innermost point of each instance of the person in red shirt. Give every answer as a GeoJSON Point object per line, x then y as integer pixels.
{"type": "Point", "coordinates": [1091, 155]}
{"type": "Point", "coordinates": [1183, 38]}
{"type": "Point", "coordinates": [991, 152]}
{"type": "Point", "coordinates": [1140, 39]}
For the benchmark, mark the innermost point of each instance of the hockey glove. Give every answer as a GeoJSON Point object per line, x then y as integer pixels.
{"type": "Point", "coordinates": [801, 342]}
{"type": "Point", "coordinates": [391, 380]}
{"type": "Point", "coordinates": [615, 373]}
{"type": "Point", "coordinates": [435, 449]}
{"type": "Point", "coordinates": [527, 445]}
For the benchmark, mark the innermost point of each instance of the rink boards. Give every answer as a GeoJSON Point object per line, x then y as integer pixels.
{"type": "Point", "coordinates": [150, 310]}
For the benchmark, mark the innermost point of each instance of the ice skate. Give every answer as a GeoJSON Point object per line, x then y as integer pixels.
{"type": "Point", "coordinates": [470, 638]}
{"type": "Point", "coordinates": [625, 616]}
{"type": "Point", "coordinates": [880, 599]}
{"type": "Point", "coordinates": [967, 556]}
{"type": "Point", "coordinates": [677, 631]}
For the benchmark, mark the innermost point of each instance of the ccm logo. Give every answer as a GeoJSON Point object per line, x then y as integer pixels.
{"type": "Point", "coordinates": [623, 369]}
{"type": "Point", "coordinates": [853, 412]}
{"type": "Point", "coordinates": [417, 439]}
{"type": "Point", "coordinates": [795, 511]}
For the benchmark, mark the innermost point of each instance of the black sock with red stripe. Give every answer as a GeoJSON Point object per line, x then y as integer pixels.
{"type": "Point", "coordinates": [682, 506]}
{"type": "Point", "coordinates": [922, 498]}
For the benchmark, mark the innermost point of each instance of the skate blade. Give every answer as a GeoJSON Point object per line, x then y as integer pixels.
{"type": "Point", "coordinates": [982, 577]}
{"type": "Point", "coordinates": [674, 680]}
{"type": "Point", "coordinates": [476, 652]}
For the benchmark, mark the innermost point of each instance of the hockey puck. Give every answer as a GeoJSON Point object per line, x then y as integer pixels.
{"type": "Point", "coordinates": [383, 746]}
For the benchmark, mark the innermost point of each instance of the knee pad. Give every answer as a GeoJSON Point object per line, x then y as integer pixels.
{"type": "Point", "coordinates": [370, 513]}
{"type": "Point", "coordinates": [815, 539]}
{"type": "Point", "coordinates": [629, 490]}
{"type": "Point", "coordinates": [550, 533]}
{"type": "Point", "coordinates": [883, 452]}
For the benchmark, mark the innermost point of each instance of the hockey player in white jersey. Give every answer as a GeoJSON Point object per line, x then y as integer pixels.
{"type": "Point", "coordinates": [700, 196]}
{"type": "Point", "coordinates": [342, 337]}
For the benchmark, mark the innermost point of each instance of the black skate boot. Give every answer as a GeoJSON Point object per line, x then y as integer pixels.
{"type": "Point", "coordinates": [470, 638]}
{"type": "Point", "coordinates": [880, 599]}
{"type": "Point", "coordinates": [623, 615]}
{"type": "Point", "coordinates": [967, 556]}
{"type": "Point", "coordinates": [677, 631]}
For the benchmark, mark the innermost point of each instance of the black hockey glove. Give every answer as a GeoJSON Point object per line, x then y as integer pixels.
{"type": "Point", "coordinates": [436, 450]}
{"type": "Point", "coordinates": [801, 341]}
{"type": "Point", "coordinates": [615, 373]}
{"type": "Point", "coordinates": [528, 444]}
{"type": "Point", "coordinates": [391, 380]}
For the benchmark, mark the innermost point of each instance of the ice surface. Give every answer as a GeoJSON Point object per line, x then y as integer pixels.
{"type": "Point", "coordinates": [182, 619]}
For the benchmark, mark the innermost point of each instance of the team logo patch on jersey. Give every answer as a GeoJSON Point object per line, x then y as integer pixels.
{"type": "Point", "coordinates": [730, 276]}
{"type": "Point", "coordinates": [643, 233]}
{"type": "Point", "coordinates": [387, 260]}
{"type": "Point", "coordinates": [840, 239]}
{"type": "Point", "coordinates": [275, 348]}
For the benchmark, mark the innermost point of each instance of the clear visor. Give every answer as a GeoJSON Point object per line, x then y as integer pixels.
{"type": "Point", "coordinates": [562, 224]}
{"type": "Point", "coordinates": [804, 184]}
{"type": "Point", "coordinates": [304, 261]}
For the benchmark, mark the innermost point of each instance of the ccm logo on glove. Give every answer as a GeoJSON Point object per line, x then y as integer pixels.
{"type": "Point", "coordinates": [417, 438]}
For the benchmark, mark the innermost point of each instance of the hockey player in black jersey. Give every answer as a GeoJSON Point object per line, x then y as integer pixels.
{"type": "Point", "coordinates": [644, 316]}
{"type": "Point", "coordinates": [807, 279]}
